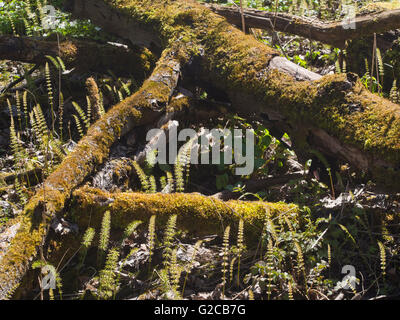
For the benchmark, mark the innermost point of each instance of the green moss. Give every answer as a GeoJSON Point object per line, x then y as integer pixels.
{"type": "Point", "coordinates": [23, 245]}
{"type": "Point", "coordinates": [197, 214]}
{"type": "Point", "coordinates": [90, 152]}
{"type": "Point", "coordinates": [236, 63]}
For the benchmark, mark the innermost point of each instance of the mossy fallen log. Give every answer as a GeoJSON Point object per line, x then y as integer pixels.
{"type": "Point", "coordinates": [141, 108]}
{"type": "Point", "coordinates": [335, 114]}
{"type": "Point", "coordinates": [84, 55]}
{"type": "Point", "coordinates": [198, 214]}
{"type": "Point", "coordinates": [330, 32]}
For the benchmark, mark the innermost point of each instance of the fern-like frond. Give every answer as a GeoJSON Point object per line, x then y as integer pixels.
{"type": "Point", "coordinates": [151, 236]}
{"type": "Point", "coordinates": [86, 243]}
{"type": "Point", "coordinates": [382, 254]}
{"type": "Point", "coordinates": [240, 247]}
{"type": "Point", "coordinates": [82, 115]}
{"type": "Point", "coordinates": [142, 177]}
{"type": "Point", "coordinates": [168, 240]}
{"type": "Point", "coordinates": [50, 93]}
{"type": "Point", "coordinates": [225, 256]}
{"type": "Point", "coordinates": [78, 125]}
{"type": "Point", "coordinates": [107, 278]}
{"type": "Point", "coordinates": [130, 229]}
{"type": "Point", "coordinates": [104, 237]}
{"type": "Point", "coordinates": [394, 93]}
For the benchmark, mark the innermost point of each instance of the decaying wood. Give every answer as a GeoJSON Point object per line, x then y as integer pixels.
{"type": "Point", "coordinates": [328, 112]}
{"type": "Point", "coordinates": [288, 67]}
{"type": "Point", "coordinates": [198, 214]}
{"type": "Point", "coordinates": [84, 55]}
{"type": "Point", "coordinates": [142, 108]}
{"type": "Point", "coordinates": [337, 107]}
{"type": "Point", "coordinates": [334, 33]}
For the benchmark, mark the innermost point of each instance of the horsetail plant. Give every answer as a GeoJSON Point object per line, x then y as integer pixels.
{"type": "Point", "coordinates": [168, 240]}
{"type": "Point", "coordinates": [382, 254]}
{"type": "Point", "coordinates": [225, 256]}
{"type": "Point", "coordinates": [240, 247]}
{"type": "Point", "coordinates": [151, 236]}
{"type": "Point", "coordinates": [104, 237]}
{"type": "Point", "coordinates": [86, 243]}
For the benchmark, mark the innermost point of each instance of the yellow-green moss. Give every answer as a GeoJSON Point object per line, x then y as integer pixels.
{"type": "Point", "coordinates": [136, 62]}
{"type": "Point", "coordinates": [15, 261]}
{"type": "Point", "coordinates": [235, 62]}
{"type": "Point", "coordinates": [197, 214]}
{"type": "Point", "coordinates": [90, 152]}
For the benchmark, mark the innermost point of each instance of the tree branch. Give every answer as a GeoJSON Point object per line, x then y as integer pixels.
{"type": "Point", "coordinates": [333, 33]}
{"type": "Point", "coordinates": [84, 55]}
{"type": "Point", "coordinates": [142, 108]}
{"type": "Point", "coordinates": [198, 214]}
{"type": "Point", "coordinates": [335, 114]}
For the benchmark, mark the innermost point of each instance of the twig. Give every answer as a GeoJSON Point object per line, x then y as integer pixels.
{"type": "Point", "coordinates": [20, 79]}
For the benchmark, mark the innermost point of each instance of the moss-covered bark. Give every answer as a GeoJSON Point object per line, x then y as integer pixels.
{"type": "Point", "coordinates": [348, 120]}
{"type": "Point", "coordinates": [336, 112]}
{"type": "Point", "coordinates": [141, 108]}
{"type": "Point", "coordinates": [197, 214]}
{"type": "Point", "coordinates": [374, 18]}
{"type": "Point", "coordinates": [84, 55]}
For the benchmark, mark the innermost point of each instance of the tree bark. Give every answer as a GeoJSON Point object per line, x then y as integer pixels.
{"type": "Point", "coordinates": [84, 55]}
{"type": "Point", "coordinates": [142, 108]}
{"type": "Point", "coordinates": [335, 114]}
{"type": "Point", "coordinates": [330, 32]}
{"type": "Point", "coordinates": [198, 214]}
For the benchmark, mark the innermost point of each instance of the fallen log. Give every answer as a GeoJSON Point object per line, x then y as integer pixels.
{"type": "Point", "coordinates": [330, 32]}
{"type": "Point", "coordinates": [83, 55]}
{"type": "Point", "coordinates": [335, 114]}
{"type": "Point", "coordinates": [141, 108]}
{"type": "Point", "coordinates": [198, 214]}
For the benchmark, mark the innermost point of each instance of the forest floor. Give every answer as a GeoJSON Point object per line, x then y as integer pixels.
{"type": "Point", "coordinates": [348, 220]}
